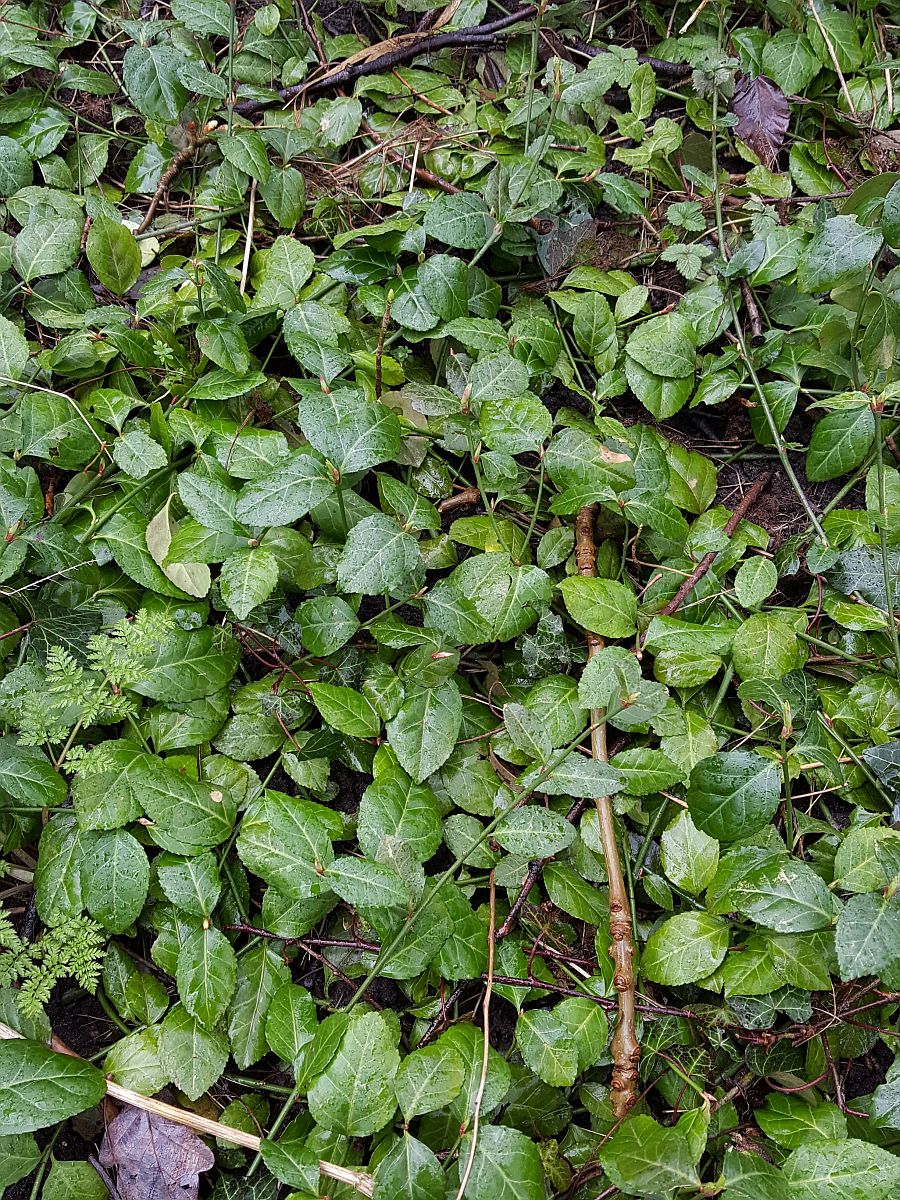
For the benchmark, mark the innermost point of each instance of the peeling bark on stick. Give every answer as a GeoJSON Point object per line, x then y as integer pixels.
{"type": "Point", "coordinates": [626, 1049]}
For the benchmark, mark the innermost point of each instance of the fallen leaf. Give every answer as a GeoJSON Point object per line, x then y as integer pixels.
{"type": "Point", "coordinates": [155, 1159]}
{"type": "Point", "coordinates": [763, 116]}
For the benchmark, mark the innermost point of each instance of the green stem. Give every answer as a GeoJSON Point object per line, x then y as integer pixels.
{"type": "Point", "coordinates": [882, 539]}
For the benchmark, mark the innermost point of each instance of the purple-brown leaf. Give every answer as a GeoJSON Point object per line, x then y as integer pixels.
{"type": "Point", "coordinates": [763, 116]}
{"type": "Point", "coordinates": [155, 1159]}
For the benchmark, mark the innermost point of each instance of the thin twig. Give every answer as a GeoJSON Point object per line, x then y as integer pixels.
{"type": "Point", "coordinates": [358, 1180]}
{"type": "Point", "coordinates": [625, 1048]}
{"type": "Point", "coordinates": [748, 500]}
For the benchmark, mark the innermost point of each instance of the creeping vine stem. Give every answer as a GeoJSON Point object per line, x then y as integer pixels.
{"type": "Point", "coordinates": [626, 1049]}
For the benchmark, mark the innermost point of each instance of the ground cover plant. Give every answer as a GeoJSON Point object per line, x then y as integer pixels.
{"type": "Point", "coordinates": [450, 675]}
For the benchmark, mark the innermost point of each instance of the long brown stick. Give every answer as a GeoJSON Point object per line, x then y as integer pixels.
{"type": "Point", "coordinates": [747, 501]}
{"type": "Point", "coordinates": [626, 1049]}
{"type": "Point", "coordinates": [358, 1180]}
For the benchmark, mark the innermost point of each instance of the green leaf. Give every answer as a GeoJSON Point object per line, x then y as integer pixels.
{"type": "Point", "coordinates": [784, 895]}
{"type": "Point", "coordinates": [664, 345]}
{"type": "Point", "coordinates": [354, 1095]}
{"type": "Point", "coordinates": [506, 1166]}
{"type": "Point", "coordinates": [526, 731]}
{"type": "Point", "coordinates": [838, 251]}
{"type": "Point", "coordinates": [643, 1158]}
{"type": "Point", "coordinates": [287, 493]}
{"type": "Point", "coordinates": [733, 794]}
{"type": "Point", "coordinates": [286, 841]}
{"type": "Point", "coordinates": [247, 579]}
{"type": "Point", "coordinates": [115, 876]}
{"type": "Point", "coordinates": [312, 333]}
{"type": "Point", "coordinates": [261, 972]}
{"type": "Point", "coordinates": [424, 731]}
{"type": "Point", "coordinates": [461, 221]}
{"type": "Point", "coordinates": [191, 884]}
{"type": "Point", "coordinates": [245, 150]}
{"type": "Point", "coordinates": [754, 581]}
{"type": "Point", "coordinates": [150, 75]}
{"type": "Point", "coordinates": [362, 882]}
{"type": "Point", "coordinates": [600, 605]}
{"type": "Point", "coordinates": [791, 1121]}
{"type": "Point", "coordinates": [394, 806]}
{"type": "Point", "coordinates": [840, 442]}
{"type": "Point", "coordinates": [378, 557]}
{"type": "Point", "coordinates": [346, 710]}
{"type": "Point", "coordinates": [188, 815]}
{"type": "Point", "coordinates": [27, 776]}
{"type": "Point", "coordinates": [114, 254]}
{"type": "Point", "coordinates": [685, 948]}
{"type": "Point", "coordinates": [290, 1160]}
{"type": "Point", "coordinates": [204, 16]}
{"type": "Point", "coordinates": [534, 832]}
{"type": "Point", "coordinates": [689, 857]}
{"type": "Point", "coordinates": [68, 1180]}
{"type": "Point", "coordinates": [138, 454]}
{"type": "Point", "coordinates": [13, 349]}
{"type": "Point", "coordinates": [39, 1087]}
{"type": "Point", "coordinates": [46, 247]}
{"type": "Point", "coordinates": [222, 341]}
{"type": "Point", "coordinates": [409, 1171]}
{"type": "Point", "coordinates": [290, 1021]}
{"type": "Point", "coordinates": [429, 1079]}
{"type": "Point", "coordinates": [194, 1056]}
{"type": "Point", "coordinates": [207, 969]}
{"type": "Point", "coordinates": [855, 1170]}
{"type": "Point", "coordinates": [548, 1046]}
{"type": "Point", "coordinates": [867, 934]}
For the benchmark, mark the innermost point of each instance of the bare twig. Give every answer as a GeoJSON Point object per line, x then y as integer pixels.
{"type": "Point", "coordinates": [181, 159]}
{"type": "Point", "coordinates": [391, 53]}
{"type": "Point", "coordinates": [358, 1180]}
{"type": "Point", "coordinates": [626, 1049]}
{"type": "Point", "coordinates": [747, 501]}
{"type": "Point", "coordinates": [469, 495]}
{"type": "Point", "coordinates": [752, 308]}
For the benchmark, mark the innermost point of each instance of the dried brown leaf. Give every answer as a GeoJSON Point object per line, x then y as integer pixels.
{"type": "Point", "coordinates": [763, 116]}
{"type": "Point", "coordinates": [155, 1159]}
